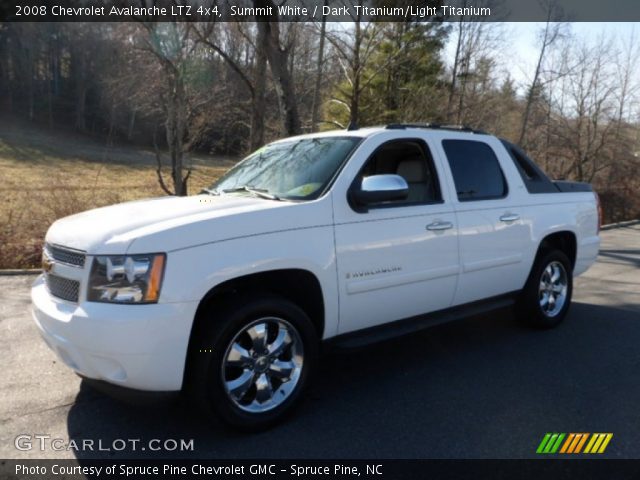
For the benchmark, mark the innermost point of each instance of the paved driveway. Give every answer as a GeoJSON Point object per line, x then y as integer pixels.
{"type": "Point", "coordinates": [482, 387]}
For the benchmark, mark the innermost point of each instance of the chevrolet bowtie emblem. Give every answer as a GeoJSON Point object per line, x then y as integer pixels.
{"type": "Point", "coordinates": [47, 263]}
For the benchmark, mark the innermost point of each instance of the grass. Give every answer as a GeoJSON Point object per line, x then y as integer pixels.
{"type": "Point", "coordinates": [46, 175]}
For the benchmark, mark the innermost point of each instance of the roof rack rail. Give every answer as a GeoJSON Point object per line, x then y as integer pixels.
{"type": "Point", "coordinates": [435, 126]}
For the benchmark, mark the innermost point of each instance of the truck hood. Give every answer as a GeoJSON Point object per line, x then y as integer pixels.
{"type": "Point", "coordinates": [169, 223]}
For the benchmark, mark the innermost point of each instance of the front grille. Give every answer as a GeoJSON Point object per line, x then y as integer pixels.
{"type": "Point", "coordinates": [63, 288]}
{"type": "Point", "coordinates": [65, 255]}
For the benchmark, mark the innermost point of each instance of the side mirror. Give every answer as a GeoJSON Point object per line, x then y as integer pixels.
{"type": "Point", "coordinates": [381, 188]}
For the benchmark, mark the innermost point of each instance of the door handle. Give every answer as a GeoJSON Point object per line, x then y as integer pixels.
{"type": "Point", "coordinates": [438, 225]}
{"type": "Point", "coordinates": [509, 217]}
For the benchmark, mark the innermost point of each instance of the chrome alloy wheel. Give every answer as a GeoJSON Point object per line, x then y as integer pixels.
{"type": "Point", "coordinates": [552, 291]}
{"type": "Point", "coordinates": [262, 364]}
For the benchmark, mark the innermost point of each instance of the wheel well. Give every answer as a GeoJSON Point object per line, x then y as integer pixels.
{"type": "Point", "coordinates": [299, 286]}
{"type": "Point", "coordinates": [563, 241]}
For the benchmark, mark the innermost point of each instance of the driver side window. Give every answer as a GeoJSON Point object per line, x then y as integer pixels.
{"type": "Point", "coordinates": [411, 159]}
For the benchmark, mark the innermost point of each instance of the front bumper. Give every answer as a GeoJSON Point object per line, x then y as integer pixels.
{"type": "Point", "coordinates": [141, 347]}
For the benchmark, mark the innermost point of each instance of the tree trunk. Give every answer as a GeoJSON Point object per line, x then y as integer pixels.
{"type": "Point", "coordinates": [393, 80]}
{"type": "Point", "coordinates": [546, 41]}
{"type": "Point", "coordinates": [132, 123]}
{"type": "Point", "coordinates": [315, 108]}
{"type": "Point", "coordinates": [463, 88]}
{"type": "Point", "coordinates": [354, 107]}
{"type": "Point", "coordinates": [175, 132]}
{"type": "Point", "coordinates": [454, 73]}
{"type": "Point", "coordinates": [8, 75]}
{"type": "Point", "coordinates": [278, 61]}
{"type": "Point", "coordinates": [112, 123]}
{"type": "Point", "coordinates": [23, 60]}
{"type": "Point", "coordinates": [50, 85]}
{"type": "Point", "coordinates": [256, 85]}
{"type": "Point", "coordinates": [81, 108]}
{"type": "Point", "coordinates": [258, 105]}
{"type": "Point", "coordinates": [81, 92]}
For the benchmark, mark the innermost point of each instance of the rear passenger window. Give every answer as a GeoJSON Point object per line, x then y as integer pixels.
{"type": "Point", "coordinates": [476, 170]}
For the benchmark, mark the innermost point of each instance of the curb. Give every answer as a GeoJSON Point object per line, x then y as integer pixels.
{"type": "Point", "coordinates": [20, 271]}
{"type": "Point", "coordinates": [628, 223]}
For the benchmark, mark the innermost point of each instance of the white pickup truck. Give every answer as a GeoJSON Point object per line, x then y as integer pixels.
{"type": "Point", "coordinates": [351, 236]}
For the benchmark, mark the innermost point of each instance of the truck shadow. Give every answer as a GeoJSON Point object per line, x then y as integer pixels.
{"type": "Point", "coordinates": [446, 392]}
{"type": "Point", "coordinates": [630, 256]}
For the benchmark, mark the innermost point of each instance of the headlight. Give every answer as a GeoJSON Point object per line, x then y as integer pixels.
{"type": "Point", "coordinates": [126, 278]}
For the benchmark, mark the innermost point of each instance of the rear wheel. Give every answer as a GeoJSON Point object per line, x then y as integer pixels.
{"type": "Point", "coordinates": [546, 297]}
{"type": "Point", "coordinates": [253, 360]}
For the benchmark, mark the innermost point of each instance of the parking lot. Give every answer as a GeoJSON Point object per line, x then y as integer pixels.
{"type": "Point", "coordinates": [484, 387]}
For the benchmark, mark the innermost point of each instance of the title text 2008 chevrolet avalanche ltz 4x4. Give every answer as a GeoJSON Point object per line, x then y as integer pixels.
{"type": "Point", "coordinates": [350, 236]}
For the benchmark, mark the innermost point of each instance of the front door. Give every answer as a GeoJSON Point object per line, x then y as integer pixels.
{"type": "Point", "coordinates": [397, 259]}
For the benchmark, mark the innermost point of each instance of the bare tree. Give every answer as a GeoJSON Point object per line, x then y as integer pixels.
{"type": "Point", "coordinates": [626, 70]}
{"type": "Point", "coordinates": [475, 42]}
{"type": "Point", "coordinates": [167, 53]}
{"type": "Point", "coordinates": [318, 83]}
{"type": "Point", "coordinates": [252, 74]}
{"type": "Point", "coordinates": [586, 122]}
{"type": "Point", "coordinates": [82, 51]}
{"type": "Point", "coordinates": [277, 53]}
{"type": "Point", "coordinates": [552, 31]}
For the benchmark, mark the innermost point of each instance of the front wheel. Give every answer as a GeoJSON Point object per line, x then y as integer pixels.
{"type": "Point", "coordinates": [546, 297]}
{"type": "Point", "coordinates": [256, 358]}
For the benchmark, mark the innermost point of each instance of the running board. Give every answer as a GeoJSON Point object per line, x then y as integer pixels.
{"type": "Point", "coordinates": [407, 326]}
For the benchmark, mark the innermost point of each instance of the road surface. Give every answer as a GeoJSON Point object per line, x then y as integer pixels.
{"type": "Point", "coordinates": [485, 387]}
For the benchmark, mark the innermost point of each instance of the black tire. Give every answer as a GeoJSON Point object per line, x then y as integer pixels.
{"type": "Point", "coordinates": [531, 306]}
{"type": "Point", "coordinates": [230, 322]}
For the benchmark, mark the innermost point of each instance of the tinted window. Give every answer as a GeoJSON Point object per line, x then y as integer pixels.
{"type": "Point", "coordinates": [476, 170]}
{"type": "Point", "coordinates": [297, 169]}
{"type": "Point", "coordinates": [411, 160]}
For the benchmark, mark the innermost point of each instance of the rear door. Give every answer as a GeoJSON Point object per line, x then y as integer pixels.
{"type": "Point", "coordinates": [397, 259]}
{"type": "Point", "coordinates": [493, 237]}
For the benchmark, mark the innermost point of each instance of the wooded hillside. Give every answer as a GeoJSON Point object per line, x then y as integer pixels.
{"type": "Point", "coordinates": [227, 88]}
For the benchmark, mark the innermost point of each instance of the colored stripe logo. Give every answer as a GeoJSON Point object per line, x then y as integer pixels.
{"type": "Point", "coordinates": [574, 443]}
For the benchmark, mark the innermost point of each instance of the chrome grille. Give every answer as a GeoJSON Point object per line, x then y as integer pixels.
{"type": "Point", "coordinates": [63, 288]}
{"type": "Point", "coordinates": [65, 255]}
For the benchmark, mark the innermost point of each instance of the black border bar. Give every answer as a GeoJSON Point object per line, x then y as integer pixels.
{"type": "Point", "coordinates": [537, 469]}
{"type": "Point", "coordinates": [312, 10]}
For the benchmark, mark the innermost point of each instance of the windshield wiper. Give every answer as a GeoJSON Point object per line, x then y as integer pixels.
{"type": "Point", "coordinates": [210, 192]}
{"type": "Point", "coordinates": [258, 192]}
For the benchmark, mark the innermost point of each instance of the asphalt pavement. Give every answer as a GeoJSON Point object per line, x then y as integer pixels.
{"type": "Point", "coordinates": [484, 387]}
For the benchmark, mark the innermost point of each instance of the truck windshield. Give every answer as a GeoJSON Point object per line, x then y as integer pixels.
{"type": "Point", "coordinates": [295, 170]}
